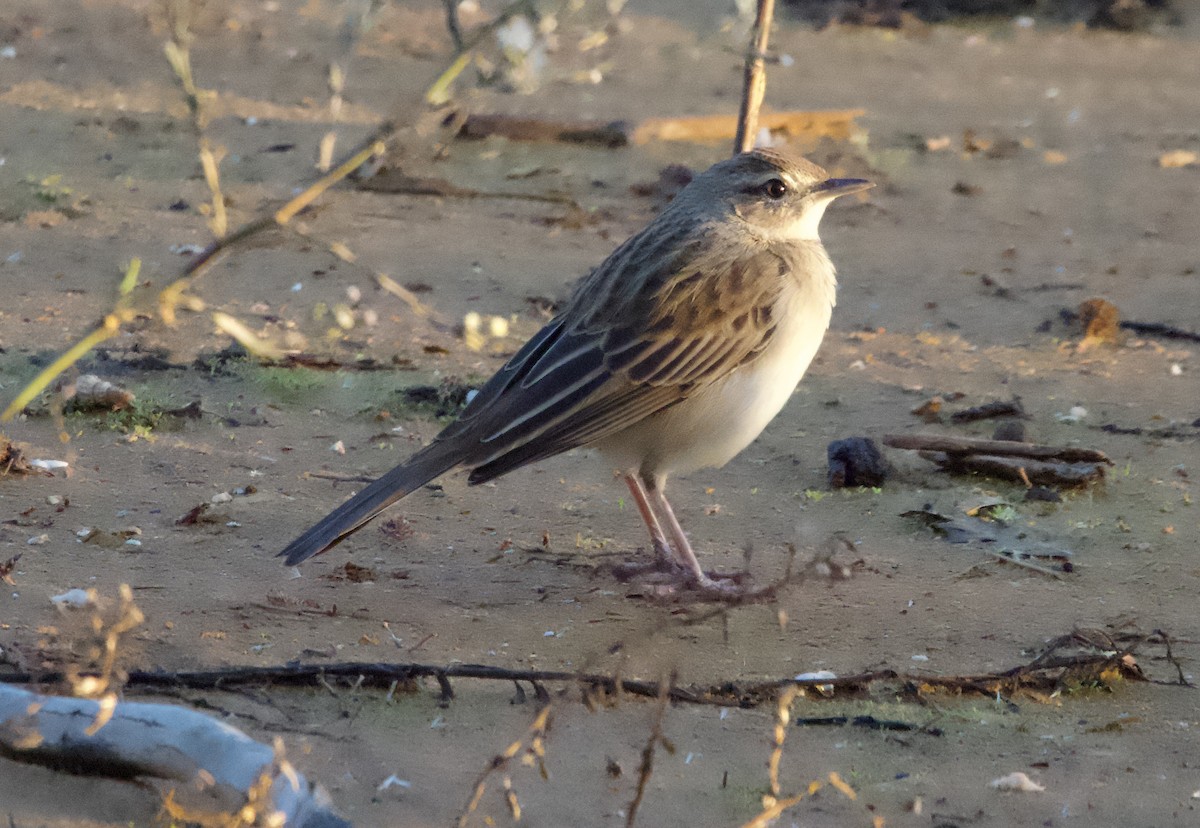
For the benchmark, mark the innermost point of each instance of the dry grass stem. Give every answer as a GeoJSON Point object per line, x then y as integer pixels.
{"type": "Point", "coordinates": [533, 743]}
{"type": "Point", "coordinates": [646, 767]}
{"type": "Point", "coordinates": [754, 83]}
{"type": "Point", "coordinates": [783, 715]}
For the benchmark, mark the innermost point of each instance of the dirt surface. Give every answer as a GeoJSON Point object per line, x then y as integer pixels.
{"type": "Point", "coordinates": [953, 274]}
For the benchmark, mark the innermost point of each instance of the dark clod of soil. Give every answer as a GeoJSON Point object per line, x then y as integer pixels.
{"type": "Point", "coordinates": [856, 461]}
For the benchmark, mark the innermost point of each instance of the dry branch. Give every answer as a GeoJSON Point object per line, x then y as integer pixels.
{"type": "Point", "coordinates": [803, 126]}
{"type": "Point", "coordinates": [653, 740]}
{"type": "Point", "coordinates": [754, 83]}
{"type": "Point", "coordinates": [533, 747]}
{"type": "Point", "coordinates": [1019, 469]}
{"type": "Point", "coordinates": [1000, 448]}
{"type": "Point", "coordinates": [1044, 672]}
{"type": "Point", "coordinates": [214, 766]}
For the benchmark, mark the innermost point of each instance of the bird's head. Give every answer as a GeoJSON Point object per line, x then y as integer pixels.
{"type": "Point", "coordinates": [778, 196]}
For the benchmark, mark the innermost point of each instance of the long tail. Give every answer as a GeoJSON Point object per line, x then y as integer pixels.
{"type": "Point", "coordinates": [410, 475]}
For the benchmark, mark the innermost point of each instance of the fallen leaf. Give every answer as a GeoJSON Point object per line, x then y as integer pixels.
{"type": "Point", "coordinates": [1178, 158]}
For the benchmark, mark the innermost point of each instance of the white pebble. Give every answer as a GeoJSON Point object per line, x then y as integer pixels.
{"type": "Point", "coordinates": [339, 447]}
{"type": "Point", "coordinates": [74, 598]}
{"type": "Point", "coordinates": [49, 465]}
{"type": "Point", "coordinates": [1176, 370]}
{"type": "Point", "coordinates": [393, 780]}
{"type": "Point", "coordinates": [38, 540]}
{"type": "Point", "coordinates": [1017, 781]}
{"type": "Point", "coordinates": [826, 689]}
{"type": "Point", "coordinates": [814, 676]}
{"type": "Point", "coordinates": [222, 497]}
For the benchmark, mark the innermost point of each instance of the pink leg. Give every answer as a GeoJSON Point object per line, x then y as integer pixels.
{"type": "Point", "coordinates": [661, 548]}
{"type": "Point", "coordinates": [683, 549]}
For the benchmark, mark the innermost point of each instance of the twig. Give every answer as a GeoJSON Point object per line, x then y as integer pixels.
{"type": "Point", "coordinates": [1003, 448]}
{"type": "Point", "coordinates": [380, 675]}
{"type": "Point", "coordinates": [356, 22]}
{"type": "Point", "coordinates": [773, 811]}
{"type": "Point", "coordinates": [178, 54]}
{"type": "Point", "coordinates": [1010, 558]}
{"type": "Point", "coordinates": [997, 408]}
{"type": "Point", "coordinates": [646, 767]}
{"type": "Point", "coordinates": [1160, 329]}
{"type": "Point", "coordinates": [452, 24]}
{"type": "Point", "coordinates": [536, 751]}
{"type": "Point", "coordinates": [1024, 470]}
{"type": "Point", "coordinates": [755, 78]}
{"type": "Point", "coordinates": [409, 298]}
{"type": "Point", "coordinates": [340, 478]}
{"type": "Point", "coordinates": [783, 714]}
{"type": "Point", "coordinates": [439, 91]}
{"type": "Point", "coordinates": [1166, 640]}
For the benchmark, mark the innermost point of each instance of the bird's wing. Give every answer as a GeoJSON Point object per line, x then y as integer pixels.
{"type": "Point", "coordinates": [657, 321]}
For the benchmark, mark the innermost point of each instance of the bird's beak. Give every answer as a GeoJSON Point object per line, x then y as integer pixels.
{"type": "Point", "coordinates": [834, 187]}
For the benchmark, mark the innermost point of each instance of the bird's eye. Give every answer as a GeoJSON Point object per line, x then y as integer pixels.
{"type": "Point", "coordinates": [775, 189]}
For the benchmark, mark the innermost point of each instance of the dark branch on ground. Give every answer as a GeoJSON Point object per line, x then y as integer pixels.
{"type": "Point", "coordinates": [1048, 671]}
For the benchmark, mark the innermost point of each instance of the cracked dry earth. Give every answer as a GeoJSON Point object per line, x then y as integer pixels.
{"type": "Point", "coordinates": [953, 275]}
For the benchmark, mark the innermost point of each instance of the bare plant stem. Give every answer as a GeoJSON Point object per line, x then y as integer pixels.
{"type": "Point", "coordinates": [755, 80]}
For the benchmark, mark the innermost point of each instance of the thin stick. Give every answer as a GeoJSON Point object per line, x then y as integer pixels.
{"type": "Point", "coordinates": [646, 768]}
{"type": "Point", "coordinates": [719, 694]}
{"type": "Point", "coordinates": [754, 84]}
{"type": "Point", "coordinates": [783, 714]}
{"type": "Point", "coordinates": [452, 24]}
{"type": "Point", "coordinates": [536, 749]}
{"type": "Point", "coordinates": [1002, 448]}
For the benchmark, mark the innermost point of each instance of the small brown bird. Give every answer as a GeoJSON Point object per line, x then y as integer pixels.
{"type": "Point", "coordinates": [671, 356]}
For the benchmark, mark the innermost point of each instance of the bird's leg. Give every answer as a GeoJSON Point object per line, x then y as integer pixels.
{"type": "Point", "coordinates": [662, 550]}
{"type": "Point", "coordinates": [683, 549]}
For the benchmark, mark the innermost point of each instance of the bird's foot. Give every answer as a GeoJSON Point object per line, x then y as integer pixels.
{"type": "Point", "coordinates": [730, 588]}
{"type": "Point", "coordinates": [664, 570]}
{"type": "Point", "coordinates": [667, 578]}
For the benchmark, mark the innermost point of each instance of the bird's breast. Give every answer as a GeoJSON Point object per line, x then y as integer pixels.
{"type": "Point", "coordinates": [714, 424]}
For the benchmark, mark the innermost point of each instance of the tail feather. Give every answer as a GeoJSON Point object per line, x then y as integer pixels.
{"type": "Point", "coordinates": [410, 475]}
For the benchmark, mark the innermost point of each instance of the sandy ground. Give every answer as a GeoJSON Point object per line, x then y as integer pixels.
{"type": "Point", "coordinates": [953, 274]}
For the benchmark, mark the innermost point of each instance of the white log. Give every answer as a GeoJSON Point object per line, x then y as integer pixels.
{"type": "Point", "coordinates": [202, 755]}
